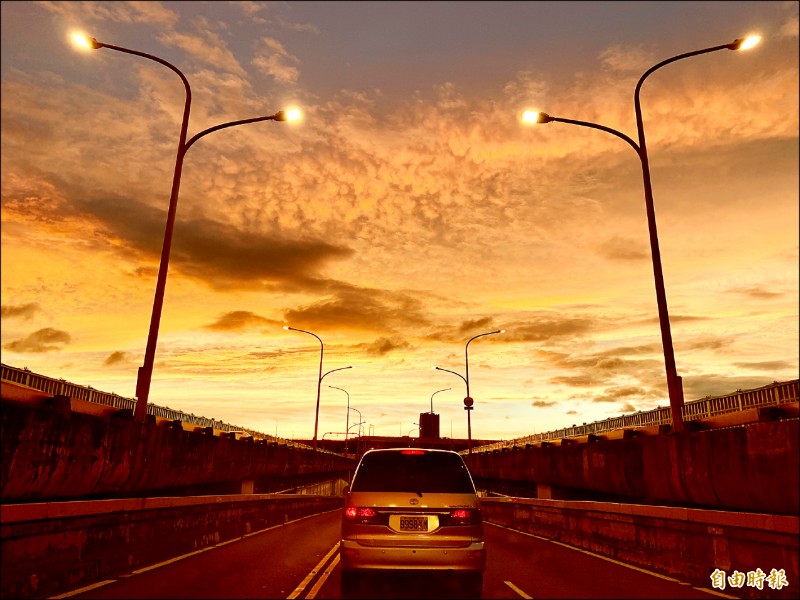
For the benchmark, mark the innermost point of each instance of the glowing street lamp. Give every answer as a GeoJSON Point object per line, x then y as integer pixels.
{"type": "Point", "coordinates": [321, 376]}
{"type": "Point", "coordinates": [468, 401]}
{"type": "Point", "coordinates": [674, 381]}
{"type": "Point", "coordinates": [145, 372]}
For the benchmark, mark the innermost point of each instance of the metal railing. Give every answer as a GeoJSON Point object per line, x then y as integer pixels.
{"type": "Point", "coordinates": [770, 395]}
{"type": "Point", "coordinates": [60, 387]}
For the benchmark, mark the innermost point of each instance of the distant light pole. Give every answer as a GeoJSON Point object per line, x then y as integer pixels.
{"type": "Point", "coordinates": [468, 401]}
{"type": "Point", "coordinates": [320, 378]}
{"type": "Point", "coordinates": [145, 373]}
{"type": "Point", "coordinates": [674, 381]}
{"type": "Point", "coordinates": [436, 392]}
{"type": "Point", "coordinates": [347, 420]}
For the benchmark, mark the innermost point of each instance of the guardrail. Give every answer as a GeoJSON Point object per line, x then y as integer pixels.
{"type": "Point", "coordinates": [770, 395]}
{"type": "Point", "coordinates": [61, 387]}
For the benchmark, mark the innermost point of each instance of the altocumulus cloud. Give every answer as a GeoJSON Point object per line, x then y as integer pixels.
{"type": "Point", "coordinates": [43, 340]}
{"type": "Point", "coordinates": [21, 311]}
{"type": "Point", "coordinates": [239, 319]}
{"type": "Point", "coordinates": [115, 358]}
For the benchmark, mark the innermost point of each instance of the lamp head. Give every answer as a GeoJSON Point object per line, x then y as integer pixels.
{"type": "Point", "coordinates": [530, 116]}
{"type": "Point", "coordinates": [287, 115]}
{"type": "Point", "coordinates": [85, 41]}
{"type": "Point", "coordinates": [745, 43]}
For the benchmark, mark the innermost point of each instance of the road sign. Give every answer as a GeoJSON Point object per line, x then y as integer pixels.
{"type": "Point", "coordinates": [468, 402]}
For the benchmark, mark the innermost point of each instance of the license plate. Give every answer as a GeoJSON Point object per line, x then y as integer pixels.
{"type": "Point", "coordinates": [413, 523]}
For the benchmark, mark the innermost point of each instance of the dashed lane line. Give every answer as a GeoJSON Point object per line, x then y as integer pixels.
{"type": "Point", "coordinates": [519, 591]}
{"type": "Point", "coordinates": [616, 562]}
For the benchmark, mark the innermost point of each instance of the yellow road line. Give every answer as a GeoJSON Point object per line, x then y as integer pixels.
{"type": "Point", "coordinates": [83, 589]}
{"type": "Point", "coordinates": [299, 589]}
{"type": "Point", "coordinates": [519, 591]}
{"type": "Point", "coordinates": [177, 558]}
{"type": "Point", "coordinates": [323, 578]}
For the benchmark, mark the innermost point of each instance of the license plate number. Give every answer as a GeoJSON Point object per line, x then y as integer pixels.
{"type": "Point", "coordinates": [413, 523]}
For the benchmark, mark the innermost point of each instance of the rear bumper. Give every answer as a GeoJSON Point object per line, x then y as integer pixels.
{"type": "Point", "coordinates": [354, 556]}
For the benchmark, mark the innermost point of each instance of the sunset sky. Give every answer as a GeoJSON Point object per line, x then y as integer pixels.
{"type": "Point", "coordinates": [409, 210]}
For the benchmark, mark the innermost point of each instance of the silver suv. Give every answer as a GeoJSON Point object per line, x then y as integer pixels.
{"type": "Point", "coordinates": [412, 508]}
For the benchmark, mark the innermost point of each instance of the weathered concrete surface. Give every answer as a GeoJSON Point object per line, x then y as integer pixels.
{"type": "Point", "coordinates": [52, 548]}
{"type": "Point", "coordinates": [685, 543]}
{"type": "Point", "coordinates": [754, 467]}
{"type": "Point", "coordinates": [53, 453]}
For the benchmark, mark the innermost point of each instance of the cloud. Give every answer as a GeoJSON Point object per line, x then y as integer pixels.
{"type": "Point", "coordinates": [712, 385]}
{"type": "Point", "coordinates": [363, 309]}
{"type": "Point", "coordinates": [21, 311]}
{"type": "Point", "coordinates": [273, 59]}
{"type": "Point", "coordinates": [543, 403]}
{"type": "Point", "coordinates": [615, 394]}
{"type": "Point", "coordinates": [757, 292]}
{"type": "Point", "coordinates": [116, 358]}
{"type": "Point", "coordinates": [767, 365]}
{"type": "Point", "coordinates": [207, 46]}
{"type": "Point", "coordinates": [626, 59]}
{"type": "Point", "coordinates": [43, 340]}
{"type": "Point", "coordinates": [384, 345]}
{"type": "Point", "coordinates": [619, 248]}
{"type": "Point", "coordinates": [152, 13]}
{"type": "Point", "coordinates": [791, 28]}
{"type": "Point", "coordinates": [220, 255]}
{"type": "Point", "coordinates": [240, 319]}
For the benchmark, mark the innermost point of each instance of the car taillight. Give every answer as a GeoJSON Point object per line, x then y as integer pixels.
{"type": "Point", "coordinates": [412, 452]}
{"type": "Point", "coordinates": [463, 516]}
{"type": "Point", "coordinates": [362, 515]}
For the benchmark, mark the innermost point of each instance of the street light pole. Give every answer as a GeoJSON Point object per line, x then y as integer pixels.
{"type": "Point", "coordinates": [321, 376]}
{"type": "Point", "coordinates": [436, 392]}
{"type": "Point", "coordinates": [347, 419]}
{"type": "Point", "coordinates": [674, 381]}
{"type": "Point", "coordinates": [145, 372]}
{"type": "Point", "coordinates": [468, 401]}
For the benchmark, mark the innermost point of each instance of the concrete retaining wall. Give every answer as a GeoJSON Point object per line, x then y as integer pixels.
{"type": "Point", "coordinates": [753, 467]}
{"type": "Point", "coordinates": [687, 544]}
{"type": "Point", "coordinates": [52, 548]}
{"type": "Point", "coordinates": [53, 453]}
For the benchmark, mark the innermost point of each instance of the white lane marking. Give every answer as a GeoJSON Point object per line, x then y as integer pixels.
{"type": "Point", "coordinates": [616, 562]}
{"type": "Point", "coordinates": [716, 593]}
{"type": "Point", "coordinates": [323, 578]}
{"type": "Point", "coordinates": [519, 591]}
{"type": "Point", "coordinates": [299, 589]}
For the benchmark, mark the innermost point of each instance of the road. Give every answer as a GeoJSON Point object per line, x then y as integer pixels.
{"type": "Point", "coordinates": [300, 560]}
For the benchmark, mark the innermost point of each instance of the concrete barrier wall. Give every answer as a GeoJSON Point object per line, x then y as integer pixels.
{"type": "Point", "coordinates": [753, 467]}
{"type": "Point", "coordinates": [52, 548]}
{"type": "Point", "coordinates": [53, 453]}
{"type": "Point", "coordinates": [687, 544]}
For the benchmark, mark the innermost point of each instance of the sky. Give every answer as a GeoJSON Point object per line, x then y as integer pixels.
{"type": "Point", "coordinates": [409, 209]}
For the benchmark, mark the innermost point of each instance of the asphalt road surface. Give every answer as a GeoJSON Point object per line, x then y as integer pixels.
{"type": "Point", "coordinates": [300, 560]}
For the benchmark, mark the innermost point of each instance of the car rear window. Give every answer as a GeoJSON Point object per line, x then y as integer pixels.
{"type": "Point", "coordinates": [426, 472]}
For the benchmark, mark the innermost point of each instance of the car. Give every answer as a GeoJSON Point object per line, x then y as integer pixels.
{"type": "Point", "coordinates": [412, 509]}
